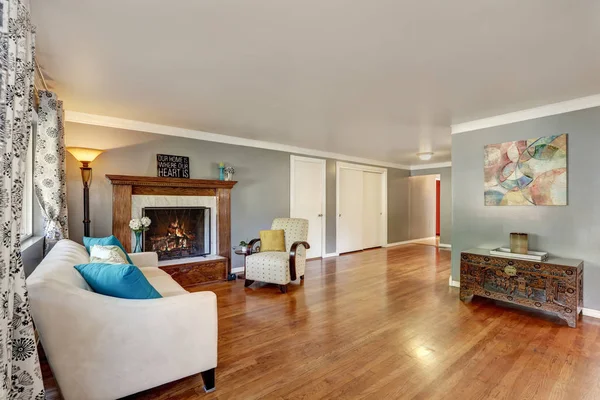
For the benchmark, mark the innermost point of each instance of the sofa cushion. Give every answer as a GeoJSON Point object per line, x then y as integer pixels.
{"type": "Point", "coordinates": [111, 240]}
{"type": "Point", "coordinates": [107, 255]}
{"type": "Point", "coordinates": [125, 281]}
{"type": "Point", "coordinates": [269, 266]}
{"type": "Point", "coordinates": [58, 265]}
{"type": "Point", "coordinates": [162, 282]}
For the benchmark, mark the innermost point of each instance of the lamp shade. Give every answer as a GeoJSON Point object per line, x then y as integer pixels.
{"type": "Point", "coordinates": [83, 154]}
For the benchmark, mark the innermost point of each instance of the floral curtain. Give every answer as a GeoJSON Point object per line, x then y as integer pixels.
{"type": "Point", "coordinates": [49, 175]}
{"type": "Point", "coordinates": [20, 374]}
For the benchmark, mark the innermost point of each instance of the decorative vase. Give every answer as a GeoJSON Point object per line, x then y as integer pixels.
{"type": "Point", "coordinates": [138, 242]}
{"type": "Point", "coordinates": [221, 173]}
{"type": "Point", "coordinates": [229, 171]}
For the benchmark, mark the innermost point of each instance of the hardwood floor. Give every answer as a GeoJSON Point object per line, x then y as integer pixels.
{"type": "Point", "coordinates": [384, 324]}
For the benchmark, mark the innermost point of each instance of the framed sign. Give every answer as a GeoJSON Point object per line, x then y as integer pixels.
{"type": "Point", "coordinates": [168, 166]}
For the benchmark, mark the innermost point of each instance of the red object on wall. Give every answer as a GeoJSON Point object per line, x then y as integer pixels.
{"type": "Point", "coordinates": [437, 207]}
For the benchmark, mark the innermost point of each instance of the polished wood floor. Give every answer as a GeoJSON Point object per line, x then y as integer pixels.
{"type": "Point", "coordinates": [383, 324]}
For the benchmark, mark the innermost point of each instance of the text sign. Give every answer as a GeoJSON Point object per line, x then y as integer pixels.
{"type": "Point", "coordinates": [168, 166]}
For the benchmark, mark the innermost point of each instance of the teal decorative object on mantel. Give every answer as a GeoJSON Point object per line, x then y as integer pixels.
{"type": "Point", "coordinates": [139, 225]}
{"type": "Point", "coordinates": [221, 171]}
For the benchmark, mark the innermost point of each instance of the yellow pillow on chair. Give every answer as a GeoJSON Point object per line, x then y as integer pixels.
{"type": "Point", "coordinates": [272, 240]}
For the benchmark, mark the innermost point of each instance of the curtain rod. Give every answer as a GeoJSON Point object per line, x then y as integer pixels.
{"type": "Point", "coordinates": [39, 70]}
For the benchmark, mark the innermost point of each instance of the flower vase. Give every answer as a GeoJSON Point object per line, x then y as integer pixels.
{"type": "Point", "coordinates": [221, 173]}
{"type": "Point", "coordinates": [138, 242]}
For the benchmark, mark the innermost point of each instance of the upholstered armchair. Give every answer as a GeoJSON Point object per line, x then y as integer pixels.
{"type": "Point", "coordinates": [279, 267]}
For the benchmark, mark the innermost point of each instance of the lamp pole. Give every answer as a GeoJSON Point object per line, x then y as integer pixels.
{"type": "Point", "coordinates": [86, 177]}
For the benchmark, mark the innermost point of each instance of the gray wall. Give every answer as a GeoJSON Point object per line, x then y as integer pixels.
{"type": "Point", "coordinates": [445, 200]}
{"type": "Point", "coordinates": [262, 192]}
{"type": "Point", "coordinates": [398, 205]}
{"type": "Point", "coordinates": [422, 200]}
{"type": "Point", "coordinates": [571, 231]}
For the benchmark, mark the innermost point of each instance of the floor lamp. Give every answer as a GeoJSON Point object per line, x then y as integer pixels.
{"type": "Point", "coordinates": [85, 157]}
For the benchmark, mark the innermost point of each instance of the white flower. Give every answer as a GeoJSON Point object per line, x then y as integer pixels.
{"type": "Point", "coordinates": [135, 224]}
{"type": "Point", "coordinates": [146, 222]}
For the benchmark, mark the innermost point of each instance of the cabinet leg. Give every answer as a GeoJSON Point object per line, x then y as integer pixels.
{"type": "Point", "coordinates": [464, 294]}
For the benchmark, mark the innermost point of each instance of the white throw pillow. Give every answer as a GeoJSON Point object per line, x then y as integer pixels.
{"type": "Point", "coordinates": [107, 255]}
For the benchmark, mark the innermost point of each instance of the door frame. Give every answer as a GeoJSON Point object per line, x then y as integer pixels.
{"type": "Point", "coordinates": [365, 168]}
{"type": "Point", "coordinates": [323, 164]}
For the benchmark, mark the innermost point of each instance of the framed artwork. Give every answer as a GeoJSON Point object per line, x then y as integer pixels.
{"type": "Point", "coordinates": [530, 172]}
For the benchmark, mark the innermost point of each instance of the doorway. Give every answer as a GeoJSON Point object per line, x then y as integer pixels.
{"type": "Point", "coordinates": [307, 199]}
{"type": "Point", "coordinates": [424, 209]}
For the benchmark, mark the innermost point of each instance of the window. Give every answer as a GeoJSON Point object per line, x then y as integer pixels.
{"type": "Point", "coordinates": [27, 218]}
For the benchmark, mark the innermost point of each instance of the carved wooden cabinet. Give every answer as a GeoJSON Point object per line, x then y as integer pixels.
{"type": "Point", "coordinates": [554, 285]}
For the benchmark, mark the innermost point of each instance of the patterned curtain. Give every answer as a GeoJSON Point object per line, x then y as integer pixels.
{"type": "Point", "coordinates": [20, 373]}
{"type": "Point", "coordinates": [49, 176]}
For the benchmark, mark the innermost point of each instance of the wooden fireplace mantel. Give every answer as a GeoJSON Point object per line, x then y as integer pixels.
{"type": "Point", "coordinates": [169, 182]}
{"type": "Point", "coordinates": [125, 186]}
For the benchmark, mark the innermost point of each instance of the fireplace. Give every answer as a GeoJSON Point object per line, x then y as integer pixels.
{"type": "Point", "coordinates": [178, 232]}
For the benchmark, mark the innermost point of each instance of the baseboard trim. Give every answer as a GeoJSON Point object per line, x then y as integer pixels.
{"type": "Point", "coordinates": [452, 282]}
{"type": "Point", "coordinates": [329, 255]}
{"type": "Point", "coordinates": [448, 246]}
{"type": "Point", "coordinates": [408, 241]}
{"type": "Point", "coordinates": [589, 312]}
{"type": "Point", "coordinates": [237, 270]}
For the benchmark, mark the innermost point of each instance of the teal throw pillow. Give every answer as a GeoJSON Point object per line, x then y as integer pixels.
{"type": "Point", "coordinates": [118, 280]}
{"type": "Point", "coordinates": [111, 240]}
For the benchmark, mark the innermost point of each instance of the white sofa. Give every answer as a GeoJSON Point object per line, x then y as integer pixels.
{"type": "Point", "coordinates": [102, 347]}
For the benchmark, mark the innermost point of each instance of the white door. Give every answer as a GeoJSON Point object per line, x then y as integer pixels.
{"type": "Point", "coordinates": [307, 199]}
{"type": "Point", "coordinates": [350, 211]}
{"type": "Point", "coordinates": [372, 209]}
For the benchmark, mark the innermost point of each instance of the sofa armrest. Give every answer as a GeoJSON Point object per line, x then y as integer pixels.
{"type": "Point", "coordinates": [145, 259]}
{"type": "Point", "coordinates": [93, 341]}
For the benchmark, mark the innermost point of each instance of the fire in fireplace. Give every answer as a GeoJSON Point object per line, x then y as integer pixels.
{"type": "Point", "coordinates": [178, 232]}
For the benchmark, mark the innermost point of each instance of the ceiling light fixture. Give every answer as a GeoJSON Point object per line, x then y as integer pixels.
{"type": "Point", "coordinates": [425, 156]}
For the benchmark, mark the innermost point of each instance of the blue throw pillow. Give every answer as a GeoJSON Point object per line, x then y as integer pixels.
{"type": "Point", "coordinates": [117, 280]}
{"type": "Point", "coordinates": [111, 240]}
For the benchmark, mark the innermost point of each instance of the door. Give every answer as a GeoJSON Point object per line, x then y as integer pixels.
{"type": "Point", "coordinates": [307, 199]}
{"type": "Point", "coordinates": [372, 209]}
{"type": "Point", "coordinates": [350, 211]}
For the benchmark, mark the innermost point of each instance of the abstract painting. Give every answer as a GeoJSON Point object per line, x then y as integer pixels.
{"type": "Point", "coordinates": [530, 172]}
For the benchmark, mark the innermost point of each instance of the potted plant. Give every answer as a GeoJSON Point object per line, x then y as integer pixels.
{"type": "Point", "coordinates": [241, 248]}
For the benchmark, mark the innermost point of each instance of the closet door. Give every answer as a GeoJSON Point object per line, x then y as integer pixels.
{"type": "Point", "coordinates": [350, 212]}
{"type": "Point", "coordinates": [372, 209]}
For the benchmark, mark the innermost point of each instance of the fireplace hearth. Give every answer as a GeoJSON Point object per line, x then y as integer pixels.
{"type": "Point", "coordinates": [178, 232]}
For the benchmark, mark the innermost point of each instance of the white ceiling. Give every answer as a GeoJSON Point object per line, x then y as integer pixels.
{"type": "Point", "coordinates": [374, 79]}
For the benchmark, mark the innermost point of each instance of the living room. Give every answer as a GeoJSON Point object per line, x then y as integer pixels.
{"type": "Point", "coordinates": [301, 200]}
